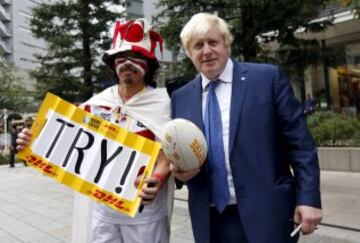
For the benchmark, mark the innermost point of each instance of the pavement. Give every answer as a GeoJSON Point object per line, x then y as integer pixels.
{"type": "Point", "coordinates": [35, 208]}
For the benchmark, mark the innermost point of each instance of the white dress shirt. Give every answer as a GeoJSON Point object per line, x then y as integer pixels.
{"type": "Point", "coordinates": [223, 93]}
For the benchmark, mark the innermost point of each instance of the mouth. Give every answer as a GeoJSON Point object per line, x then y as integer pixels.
{"type": "Point", "coordinates": [209, 61]}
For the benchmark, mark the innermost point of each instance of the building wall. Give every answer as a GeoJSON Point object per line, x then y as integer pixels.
{"type": "Point", "coordinates": [20, 45]}
{"type": "Point", "coordinates": [136, 9]}
{"type": "Point", "coordinates": [24, 44]}
{"type": "Point", "coordinates": [5, 29]}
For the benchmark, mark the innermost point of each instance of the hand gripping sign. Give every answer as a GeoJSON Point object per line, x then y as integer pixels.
{"type": "Point", "coordinates": [90, 155]}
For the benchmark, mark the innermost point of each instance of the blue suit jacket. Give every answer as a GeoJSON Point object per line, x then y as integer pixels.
{"type": "Point", "coordinates": [268, 135]}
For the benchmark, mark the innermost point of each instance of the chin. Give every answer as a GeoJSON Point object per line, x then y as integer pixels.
{"type": "Point", "coordinates": [128, 80]}
{"type": "Point", "coordinates": [211, 75]}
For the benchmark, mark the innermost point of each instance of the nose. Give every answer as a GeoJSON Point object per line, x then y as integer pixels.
{"type": "Point", "coordinates": [207, 48]}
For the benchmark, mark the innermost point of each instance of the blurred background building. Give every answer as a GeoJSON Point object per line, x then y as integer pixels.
{"type": "Point", "coordinates": [17, 43]}
{"type": "Point", "coordinates": [18, 46]}
{"type": "Point", "coordinates": [337, 86]}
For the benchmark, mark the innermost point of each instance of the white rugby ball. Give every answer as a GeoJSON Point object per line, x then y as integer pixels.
{"type": "Point", "coordinates": [184, 144]}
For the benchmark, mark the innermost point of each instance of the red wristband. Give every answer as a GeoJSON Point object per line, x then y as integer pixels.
{"type": "Point", "coordinates": [159, 177]}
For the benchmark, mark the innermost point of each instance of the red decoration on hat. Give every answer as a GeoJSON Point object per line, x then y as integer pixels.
{"type": "Point", "coordinates": [138, 35]}
{"type": "Point", "coordinates": [156, 37]}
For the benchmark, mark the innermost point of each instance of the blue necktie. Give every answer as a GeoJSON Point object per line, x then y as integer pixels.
{"type": "Point", "coordinates": [216, 156]}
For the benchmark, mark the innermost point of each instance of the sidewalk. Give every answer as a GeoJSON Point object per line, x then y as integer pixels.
{"type": "Point", "coordinates": [27, 215]}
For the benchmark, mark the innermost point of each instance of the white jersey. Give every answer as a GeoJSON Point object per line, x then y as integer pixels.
{"type": "Point", "coordinates": [155, 211]}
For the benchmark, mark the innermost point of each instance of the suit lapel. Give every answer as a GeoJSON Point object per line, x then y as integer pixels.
{"type": "Point", "coordinates": [239, 85]}
{"type": "Point", "coordinates": [194, 99]}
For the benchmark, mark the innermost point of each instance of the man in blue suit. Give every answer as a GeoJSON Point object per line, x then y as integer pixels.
{"type": "Point", "coordinates": [261, 178]}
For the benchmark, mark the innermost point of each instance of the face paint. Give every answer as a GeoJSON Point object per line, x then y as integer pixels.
{"type": "Point", "coordinates": [138, 64]}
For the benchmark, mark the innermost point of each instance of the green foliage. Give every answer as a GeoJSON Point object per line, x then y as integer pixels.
{"type": "Point", "coordinates": [254, 24]}
{"type": "Point", "coordinates": [355, 6]}
{"type": "Point", "coordinates": [12, 95]}
{"type": "Point", "coordinates": [4, 159]}
{"type": "Point", "coordinates": [76, 33]}
{"type": "Point", "coordinates": [332, 129]}
{"type": "Point", "coordinates": [184, 69]}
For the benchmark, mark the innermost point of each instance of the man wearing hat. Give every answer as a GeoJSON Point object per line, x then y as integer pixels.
{"type": "Point", "coordinates": [136, 105]}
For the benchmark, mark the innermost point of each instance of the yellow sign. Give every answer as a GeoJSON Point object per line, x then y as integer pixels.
{"type": "Point", "coordinates": [92, 156]}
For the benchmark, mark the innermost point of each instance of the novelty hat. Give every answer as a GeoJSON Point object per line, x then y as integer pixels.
{"type": "Point", "coordinates": [137, 36]}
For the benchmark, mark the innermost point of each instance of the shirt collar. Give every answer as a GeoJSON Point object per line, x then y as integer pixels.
{"type": "Point", "coordinates": [226, 75]}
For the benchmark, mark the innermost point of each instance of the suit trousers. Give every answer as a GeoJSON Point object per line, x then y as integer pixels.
{"type": "Point", "coordinates": [226, 227]}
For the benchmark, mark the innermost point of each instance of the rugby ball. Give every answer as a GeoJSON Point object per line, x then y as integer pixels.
{"type": "Point", "coordinates": [184, 144]}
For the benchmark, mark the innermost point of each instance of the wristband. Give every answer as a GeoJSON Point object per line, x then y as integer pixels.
{"type": "Point", "coordinates": [160, 178]}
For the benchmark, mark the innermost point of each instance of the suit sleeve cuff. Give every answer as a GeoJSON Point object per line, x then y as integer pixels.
{"type": "Point", "coordinates": [310, 198]}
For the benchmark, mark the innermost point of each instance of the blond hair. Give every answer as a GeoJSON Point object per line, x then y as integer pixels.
{"type": "Point", "coordinates": [200, 24]}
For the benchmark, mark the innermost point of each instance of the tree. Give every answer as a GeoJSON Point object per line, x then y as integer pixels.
{"type": "Point", "coordinates": [353, 4]}
{"type": "Point", "coordinates": [76, 33]}
{"type": "Point", "coordinates": [12, 95]}
{"type": "Point", "coordinates": [254, 23]}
